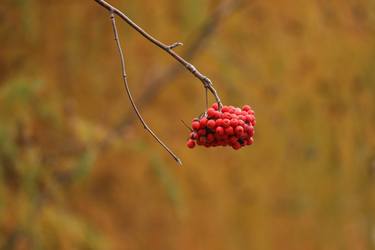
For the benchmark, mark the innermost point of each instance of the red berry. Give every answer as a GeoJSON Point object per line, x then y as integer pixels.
{"type": "Point", "coordinates": [219, 122]}
{"type": "Point", "coordinates": [234, 122]}
{"type": "Point", "coordinates": [225, 109]}
{"type": "Point", "coordinates": [224, 137]}
{"type": "Point", "coordinates": [211, 124]}
{"type": "Point", "coordinates": [202, 140]}
{"type": "Point", "coordinates": [220, 131]}
{"type": "Point", "coordinates": [250, 130]}
{"type": "Point", "coordinates": [232, 140]}
{"type": "Point", "coordinates": [247, 119]}
{"type": "Point", "coordinates": [243, 136]}
{"type": "Point", "coordinates": [217, 136]}
{"type": "Point", "coordinates": [226, 123]}
{"type": "Point", "coordinates": [201, 132]}
{"type": "Point", "coordinates": [195, 125]}
{"type": "Point", "coordinates": [210, 138]}
{"type": "Point", "coordinates": [239, 130]}
{"type": "Point", "coordinates": [215, 106]}
{"type": "Point", "coordinates": [190, 143]}
{"type": "Point", "coordinates": [246, 108]}
{"type": "Point", "coordinates": [229, 131]}
{"type": "Point", "coordinates": [236, 146]}
{"type": "Point", "coordinates": [227, 116]}
{"type": "Point", "coordinates": [203, 122]}
{"type": "Point", "coordinates": [211, 112]}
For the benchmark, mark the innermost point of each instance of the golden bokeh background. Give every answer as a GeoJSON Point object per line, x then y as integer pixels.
{"type": "Point", "coordinates": [70, 178]}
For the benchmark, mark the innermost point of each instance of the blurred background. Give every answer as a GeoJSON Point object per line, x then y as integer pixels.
{"type": "Point", "coordinates": [78, 171]}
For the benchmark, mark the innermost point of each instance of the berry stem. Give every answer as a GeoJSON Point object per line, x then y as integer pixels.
{"type": "Point", "coordinates": [183, 122]}
{"type": "Point", "coordinates": [206, 94]}
{"type": "Point", "coordinates": [207, 83]}
{"type": "Point", "coordinates": [125, 79]}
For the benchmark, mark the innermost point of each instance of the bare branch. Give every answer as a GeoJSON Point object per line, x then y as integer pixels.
{"type": "Point", "coordinates": [125, 79]}
{"type": "Point", "coordinates": [203, 33]}
{"type": "Point", "coordinates": [204, 79]}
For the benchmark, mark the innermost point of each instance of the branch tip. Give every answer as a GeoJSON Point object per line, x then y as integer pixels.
{"type": "Point", "coordinates": [179, 162]}
{"type": "Point", "coordinates": [175, 45]}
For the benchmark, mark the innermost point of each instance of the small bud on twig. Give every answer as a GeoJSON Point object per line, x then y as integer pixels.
{"type": "Point", "coordinates": [175, 45]}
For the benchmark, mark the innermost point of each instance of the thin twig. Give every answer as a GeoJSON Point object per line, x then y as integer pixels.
{"type": "Point", "coordinates": [207, 83]}
{"type": "Point", "coordinates": [124, 77]}
{"type": "Point", "coordinates": [190, 129]}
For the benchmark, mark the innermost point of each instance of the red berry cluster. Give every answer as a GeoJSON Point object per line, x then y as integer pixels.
{"type": "Point", "coordinates": [231, 126]}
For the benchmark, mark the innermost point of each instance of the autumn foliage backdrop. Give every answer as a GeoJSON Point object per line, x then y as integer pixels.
{"type": "Point", "coordinates": [68, 180]}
